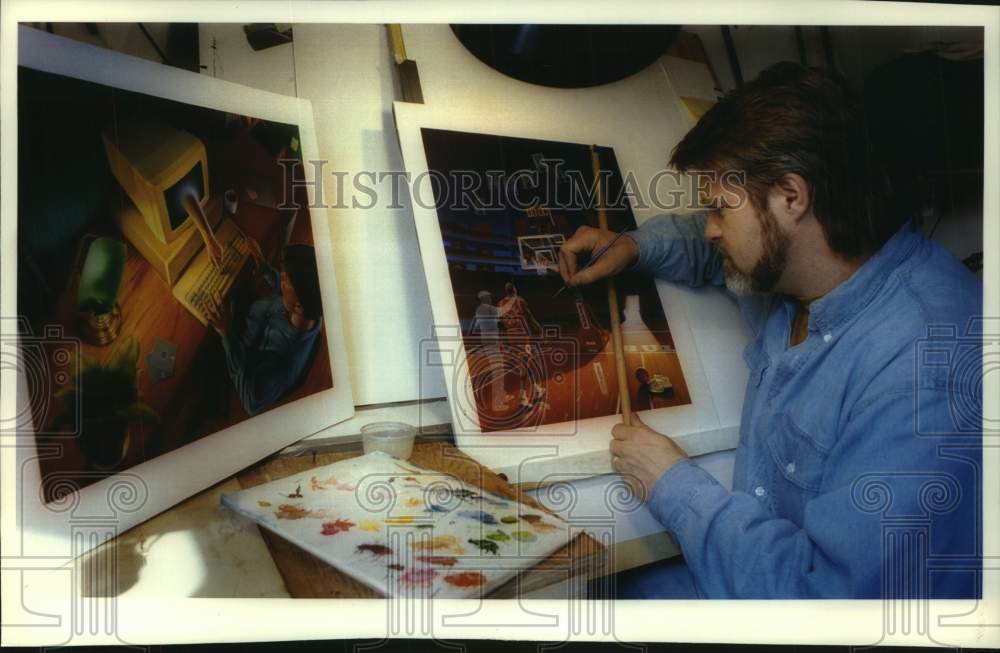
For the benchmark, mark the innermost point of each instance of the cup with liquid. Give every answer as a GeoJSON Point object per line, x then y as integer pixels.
{"type": "Point", "coordinates": [393, 438]}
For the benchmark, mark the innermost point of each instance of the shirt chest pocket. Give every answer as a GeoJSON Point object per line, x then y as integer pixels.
{"type": "Point", "coordinates": [797, 455]}
{"type": "Point", "coordinates": [757, 361]}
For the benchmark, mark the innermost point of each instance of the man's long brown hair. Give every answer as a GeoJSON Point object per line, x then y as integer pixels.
{"type": "Point", "coordinates": [793, 119]}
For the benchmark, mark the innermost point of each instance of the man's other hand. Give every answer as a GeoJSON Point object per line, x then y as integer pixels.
{"type": "Point", "coordinates": [218, 314]}
{"type": "Point", "coordinates": [642, 455]}
{"type": "Point", "coordinates": [214, 251]}
{"type": "Point", "coordinates": [588, 240]}
{"type": "Point", "coordinates": [250, 247]}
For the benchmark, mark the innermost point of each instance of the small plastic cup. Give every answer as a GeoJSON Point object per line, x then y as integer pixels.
{"type": "Point", "coordinates": [393, 438]}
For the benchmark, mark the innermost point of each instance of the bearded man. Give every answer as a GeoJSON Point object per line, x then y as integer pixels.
{"type": "Point", "coordinates": [857, 473]}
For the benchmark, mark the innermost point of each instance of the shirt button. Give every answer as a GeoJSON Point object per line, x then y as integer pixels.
{"type": "Point", "coordinates": [759, 491]}
{"type": "Point", "coordinates": [827, 337]}
{"type": "Point", "coordinates": [790, 468]}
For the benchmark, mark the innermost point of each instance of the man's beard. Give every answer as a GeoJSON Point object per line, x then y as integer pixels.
{"type": "Point", "coordinates": [769, 268]}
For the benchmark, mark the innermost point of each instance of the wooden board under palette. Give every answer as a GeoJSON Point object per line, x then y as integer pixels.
{"type": "Point", "coordinates": [375, 525]}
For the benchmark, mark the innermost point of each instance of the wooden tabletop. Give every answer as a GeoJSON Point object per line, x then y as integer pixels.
{"type": "Point", "coordinates": [306, 576]}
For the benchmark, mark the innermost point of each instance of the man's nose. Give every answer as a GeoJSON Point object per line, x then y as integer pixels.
{"type": "Point", "coordinates": [712, 230]}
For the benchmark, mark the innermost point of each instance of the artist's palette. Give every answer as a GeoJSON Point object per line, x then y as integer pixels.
{"type": "Point", "coordinates": [402, 529]}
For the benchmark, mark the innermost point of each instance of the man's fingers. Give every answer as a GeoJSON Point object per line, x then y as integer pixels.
{"type": "Point", "coordinates": [563, 266]}
{"type": "Point", "coordinates": [586, 239]}
{"type": "Point", "coordinates": [567, 263]}
{"type": "Point", "coordinates": [602, 267]}
{"type": "Point", "coordinates": [621, 431]}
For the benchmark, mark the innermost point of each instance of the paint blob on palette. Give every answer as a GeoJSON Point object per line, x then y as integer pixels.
{"type": "Point", "coordinates": [402, 529]}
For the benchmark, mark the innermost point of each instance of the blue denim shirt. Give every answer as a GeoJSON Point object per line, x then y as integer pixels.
{"type": "Point", "coordinates": [858, 466]}
{"type": "Point", "coordinates": [269, 356]}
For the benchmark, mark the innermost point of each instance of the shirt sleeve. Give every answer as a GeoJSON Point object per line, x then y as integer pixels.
{"type": "Point", "coordinates": [673, 247]}
{"type": "Point", "coordinates": [879, 470]}
{"type": "Point", "coordinates": [271, 276]}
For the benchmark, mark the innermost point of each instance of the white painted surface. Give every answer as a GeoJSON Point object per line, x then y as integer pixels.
{"type": "Point", "coordinates": [347, 71]}
{"type": "Point", "coordinates": [433, 412]}
{"type": "Point", "coordinates": [226, 54]}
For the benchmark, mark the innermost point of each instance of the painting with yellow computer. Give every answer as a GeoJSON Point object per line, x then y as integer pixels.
{"type": "Point", "coordinates": [167, 271]}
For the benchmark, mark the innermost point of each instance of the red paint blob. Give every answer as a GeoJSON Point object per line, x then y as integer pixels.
{"type": "Point", "coordinates": [422, 576]}
{"type": "Point", "coordinates": [531, 519]}
{"type": "Point", "coordinates": [334, 527]}
{"type": "Point", "coordinates": [395, 566]}
{"type": "Point", "coordinates": [465, 579]}
{"type": "Point", "coordinates": [377, 549]}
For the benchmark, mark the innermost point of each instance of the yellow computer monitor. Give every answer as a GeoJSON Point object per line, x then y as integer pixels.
{"type": "Point", "coordinates": [157, 166]}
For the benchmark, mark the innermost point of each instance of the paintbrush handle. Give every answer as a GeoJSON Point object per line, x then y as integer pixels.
{"type": "Point", "coordinates": [616, 327]}
{"type": "Point", "coordinates": [604, 249]}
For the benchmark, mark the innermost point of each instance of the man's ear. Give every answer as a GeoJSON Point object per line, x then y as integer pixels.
{"type": "Point", "coordinates": [790, 197]}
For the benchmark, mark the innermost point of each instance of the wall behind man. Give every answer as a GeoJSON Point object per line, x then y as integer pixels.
{"type": "Point", "coordinates": [856, 53]}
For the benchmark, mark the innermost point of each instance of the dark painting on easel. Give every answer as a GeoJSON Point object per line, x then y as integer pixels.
{"type": "Point", "coordinates": [535, 354]}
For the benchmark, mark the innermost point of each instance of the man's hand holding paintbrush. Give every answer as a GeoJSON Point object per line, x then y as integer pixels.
{"type": "Point", "coordinates": [638, 452]}
{"type": "Point", "coordinates": [609, 253]}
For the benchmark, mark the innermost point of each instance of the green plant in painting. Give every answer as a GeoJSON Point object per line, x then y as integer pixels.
{"type": "Point", "coordinates": [107, 398]}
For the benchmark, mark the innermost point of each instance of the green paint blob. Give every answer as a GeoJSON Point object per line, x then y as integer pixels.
{"type": "Point", "coordinates": [509, 519]}
{"type": "Point", "coordinates": [524, 536]}
{"type": "Point", "coordinates": [498, 536]}
{"type": "Point", "coordinates": [486, 545]}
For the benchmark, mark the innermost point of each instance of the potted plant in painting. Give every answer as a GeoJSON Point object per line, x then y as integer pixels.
{"type": "Point", "coordinates": [106, 396]}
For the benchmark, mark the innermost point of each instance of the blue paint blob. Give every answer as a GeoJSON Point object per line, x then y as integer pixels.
{"type": "Point", "coordinates": [434, 508]}
{"type": "Point", "coordinates": [478, 515]}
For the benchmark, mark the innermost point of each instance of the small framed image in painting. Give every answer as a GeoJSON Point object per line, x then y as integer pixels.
{"type": "Point", "coordinates": [177, 301]}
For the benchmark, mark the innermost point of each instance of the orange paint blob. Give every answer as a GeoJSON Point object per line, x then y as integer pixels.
{"type": "Point", "coordinates": [290, 511]}
{"type": "Point", "coordinates": [317, 484]}
{"type": "Point", "coordinates": [465, 579]}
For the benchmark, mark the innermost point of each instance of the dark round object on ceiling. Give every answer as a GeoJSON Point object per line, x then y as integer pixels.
{"type": "Point", "coordinates": [567, 56]}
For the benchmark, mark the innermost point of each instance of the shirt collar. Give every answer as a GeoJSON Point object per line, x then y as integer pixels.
{"type": "Point", "coordinates": [851, 297]}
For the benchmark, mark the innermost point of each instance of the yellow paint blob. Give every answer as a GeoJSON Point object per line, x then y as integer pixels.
{"type": "Point", "coordinates": [439, 542]}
